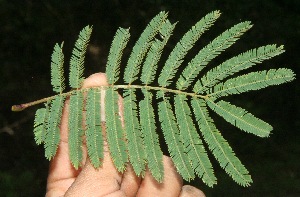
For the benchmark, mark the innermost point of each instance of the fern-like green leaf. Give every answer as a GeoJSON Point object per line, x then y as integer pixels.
{"type": "Point", "coordinates": [154, 54]}
{"type": "Point", "coordinates": [115, 54]}
{"type": "Point", "coordinates": [52, 135]}
{"type": "Point", "coordinates": [57, 70]}
{"type": "Point", "coordinates": [133, 133]}
{"type": "Point", "coordinates": [114, 131]}
{"type": "Point", "coordinates": [134, 141]}
{"type": "Point", "coordinates": [183, 46]}
{"type": "Point", "coordinates": [236, 64]}
{"type": "Point", "coordinates": [252, 81]}
{"type": "Point", "coordinates": [153, 152]}
{"type": "Point", "coordinates": [77, 58]}
{"type": "Point", "coordinates": [173, 138]}
{"type": "Point", "coordinates": [212, 50]}
{"type": "Point", "coordinates": [240, 118]}
{"type": "Point", "coordinates": [192, 142]}
{"type": "Point", "coordinates": [218, 145]}
{"type": "Point", "coordinates": [75, 129]}
{"type": "Point", "coordinates": [94, 139]}
{"type": "Point", "coordinates": [40, 121]}
{"type": "Point", "coordinates": [141, 47]}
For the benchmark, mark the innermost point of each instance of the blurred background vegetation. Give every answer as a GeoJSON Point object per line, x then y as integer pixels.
{"type": "Point", "coordinates": [29, 29]}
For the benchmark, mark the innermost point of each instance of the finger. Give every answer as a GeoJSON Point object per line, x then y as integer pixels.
{"type": "Point", "coordinates": [105, 181]}
{"type": "Point", "coordinates": [130, 182]}
{"type": "Point", "coordinates": [101, 181]}
{"type": "Point", "coordinates": [190, 191]}
{"type": "Point", "coordinates": [171, 185]}
{"type": "Point", "coordinates": [61, 173]}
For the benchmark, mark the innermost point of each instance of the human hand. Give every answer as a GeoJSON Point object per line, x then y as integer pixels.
{"type": "Point", "coordinates": [65, 180]}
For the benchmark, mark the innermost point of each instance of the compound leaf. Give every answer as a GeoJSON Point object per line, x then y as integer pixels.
{"type": "Point", "coordinates": [133, 133]}
{"type": "Point", "coordinates": [153, 152]}
{"type": "Point", "coordinates": [173, 138]}
{"type": "Point", "coordinates": [141, 47]}
{"type": "Point", "coordinates": [192, 142]}
{"type": "Point", "coordinates": [252, 81]}
{"type": "Point", "coordinates": [115, 54]}
{"type": "Point", "coordinates": [219, 146]}
{"type": "Point", "coordinates": [52, 135]}
{"type": "Point", "coordinates": [40, 123]}
{"type": "Point", "coordinates": [240, 118]}
{"type": "Point", "coordinates": [75, 128]}
{"type": "Point", "coordinates": [132, 138]}
{"type": "Point", "coordinates": [209, 52]}
{"type": "Point", "coordinates": [77, 58]}
{"type": "Point", "coordinates": [94, 139]}
{"type": "Point", "coordinates": [183, 46]}
{"type": "Point", "coordinates": [57, 70]}
{"type": "Point", "coordinates": [114, 131]}
{"type": "Point", "coordinates": [154, 53]}
{"type": "Point", "coordinates": [236, 64]}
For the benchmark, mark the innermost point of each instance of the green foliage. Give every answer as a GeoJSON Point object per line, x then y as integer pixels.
{"type": "Point", "coordinates": [153, 153]}
{"type": "Point", "coordinates": [52, 135]}
{"type": "Point", "coordinates": [57, 69]}
{"type": "Point", "coordinates": [154, 53]}
{"type": "Point", "coordinates": [77, 59]}
{"type": "Point", "coordinates": [94, 139]}
{"type": "Point", "coordinates": [133, 134]}
{"type": "Point", "coordinates": [75, 128]}
{"type": "Point", "coordinates": [218, 145]}
{"type": "Point", "coordinates": [252, 81]}
{"type": "Point", "coordinates": [183, 46]}
{"type": "Point", "coordinates": [141, 47]}
{"type": "Point", "coordinates": [241, 118]}
{"type": "Point", "coordinates": [135, 140]}
{"type": "Point", "coordinates": [209, 52]}
{"type": "Point", "coordinates": [173, 138]}
{"type": "Point", "coordinates": [39, 125]}
{"type": "Point", "coordinates": [114, 131]}
{"type": "Point", "coordinates": [114, 59]}
{"type": "Point", "coordinates": [236, 64]}
{"type": "Point", "coordinates": [192, 142]}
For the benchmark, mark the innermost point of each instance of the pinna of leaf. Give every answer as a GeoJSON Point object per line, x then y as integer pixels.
{"type": "Point", "coordinates": [182, 112]}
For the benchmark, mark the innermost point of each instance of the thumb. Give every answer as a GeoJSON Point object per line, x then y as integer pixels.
{"type": "Point", "coordinates": [106, 179]}
{"type": "Point", "coordinates": [101, 181]}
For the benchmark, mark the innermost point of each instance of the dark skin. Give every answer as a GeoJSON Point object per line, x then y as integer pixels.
{"type": "Point", "coordinates": [64, 180]}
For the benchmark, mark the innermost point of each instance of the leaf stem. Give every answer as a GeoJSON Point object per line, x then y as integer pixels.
{"type": "Point", "coordinates": [21, 107]}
